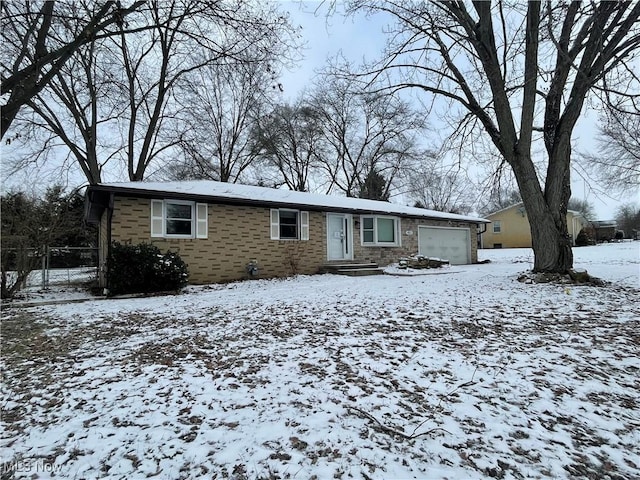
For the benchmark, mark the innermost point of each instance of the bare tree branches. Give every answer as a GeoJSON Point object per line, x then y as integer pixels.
{"type": "Point", "coordinates": [220, 106]}
{"type": "Point", "coordinates": [38, 55]}
{"type": "Point", "coordinates": [432, 183]}
{"type": "Point", "coordinates": [393, 431]}
{"type": "Point", "coordinates": [617, 163]}
{"type": "Point", "coordinates": [366, 132]}
{"type": "Point", "coordinates": [118, 95]}
{"type": "Point", "coordinates": [291, 141]}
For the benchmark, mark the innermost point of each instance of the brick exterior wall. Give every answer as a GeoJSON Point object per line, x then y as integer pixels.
{"type": "Point", "coordinates": [239, 234]}
{"type": "Point", "coordinates": [236, 235]}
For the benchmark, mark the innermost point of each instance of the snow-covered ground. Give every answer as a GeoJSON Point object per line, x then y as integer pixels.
{"type": "Point", "coordinates": [459, 373]}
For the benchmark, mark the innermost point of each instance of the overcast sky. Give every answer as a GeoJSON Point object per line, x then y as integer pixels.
{"type": "Point", "coordinates": [363, 38]}
{"type": "Point", "coordinates": [358, 39]}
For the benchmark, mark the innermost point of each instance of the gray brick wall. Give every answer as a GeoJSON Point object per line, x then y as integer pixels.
{"type": "Point", "coordinates": [409, 242]}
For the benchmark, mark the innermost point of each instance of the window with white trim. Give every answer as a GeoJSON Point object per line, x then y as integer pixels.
{"type": "Point", "coordinates": [380, 231]}
{"type": "Point", "coordinates": [179, 219]}
{"type": "Point", "coordinates": [497, 226]}
{"type": "Point", "coordinates": [289, 224]}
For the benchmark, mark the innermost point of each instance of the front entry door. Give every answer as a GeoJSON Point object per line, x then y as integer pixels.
{"type": "Point", "coordinates": [339, 237]}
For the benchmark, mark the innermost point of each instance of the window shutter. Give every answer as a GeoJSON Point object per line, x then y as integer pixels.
{"type": "Point", "coordinates": [304, 225]}
{"type": "Point", "coordinates": [275, 224]}
{"type": "Point", "coordinates": [202, 224]}
{"type": "Point", "coordinates": [157, 218]}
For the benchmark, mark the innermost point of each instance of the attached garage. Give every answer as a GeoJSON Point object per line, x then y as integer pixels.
{"type": "Point", "coordinates": [446, 243]}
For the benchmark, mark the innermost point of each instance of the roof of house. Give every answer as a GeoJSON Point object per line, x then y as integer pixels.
{"type": "Point", "coordinates": [506, 208]}
{"type": "Point", "coordinates": [521, 204]}
{"type": "Point", "coordinates": [233, 193]}
{"type": "Point", "coordinates": [604, 224]}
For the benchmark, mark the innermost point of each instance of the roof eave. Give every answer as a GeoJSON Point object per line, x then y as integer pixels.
{"type": "Point", "coordinates": [153, 193]}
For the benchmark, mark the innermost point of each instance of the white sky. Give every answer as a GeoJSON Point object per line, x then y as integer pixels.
{"type": "Point", "coordinates": [363, 38]}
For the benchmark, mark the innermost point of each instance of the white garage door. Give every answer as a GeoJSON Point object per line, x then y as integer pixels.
{"type": "Point", "coordinates": [445, 243]}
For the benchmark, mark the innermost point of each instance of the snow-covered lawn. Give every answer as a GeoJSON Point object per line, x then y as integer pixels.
{"type": "Point", "coordinates": [460, 373]}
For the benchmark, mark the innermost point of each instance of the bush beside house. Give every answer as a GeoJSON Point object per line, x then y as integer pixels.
{"type": "Point", "coordinates": [143, 268]}
{"type": "Point", "coordinates": [585, 237]}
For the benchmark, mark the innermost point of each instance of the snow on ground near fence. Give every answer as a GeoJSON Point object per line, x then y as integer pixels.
{"type": "Point", "coordinates": [463, 374]}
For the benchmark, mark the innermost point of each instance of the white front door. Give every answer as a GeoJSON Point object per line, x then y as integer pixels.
{"type": "Point", "coordinates": [339, 237]}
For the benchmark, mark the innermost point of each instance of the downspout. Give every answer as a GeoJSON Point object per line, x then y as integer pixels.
{"type": "Point", "coordinates": [480, 232]}
{"type": "Point", "coordinates": [106, 260]}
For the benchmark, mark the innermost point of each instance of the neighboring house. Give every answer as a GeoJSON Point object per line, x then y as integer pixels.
{"type": "Point", "coordinates": [219, 228]}
{"type": "Point", "coordinates": [509, 228]}
{"type": "Point", "coordinates": [605, 230]}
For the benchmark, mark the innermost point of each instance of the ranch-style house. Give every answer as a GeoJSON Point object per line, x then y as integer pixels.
{"type": "Point", "coordinates": [226, 232]}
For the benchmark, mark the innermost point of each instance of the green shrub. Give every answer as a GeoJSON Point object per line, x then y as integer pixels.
{"type": "Point", "coordinates": [143, 269]}
{"type": "Point", "coordinates": [583, 239]}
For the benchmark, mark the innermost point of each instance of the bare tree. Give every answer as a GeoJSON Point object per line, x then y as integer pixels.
{"type": "Point", "coordinates": [366, 132]}
{"type": "Point", "coordinates": [617, 163]}
{"type": "Point", "coordinates": [74, 110]}
{"type": "Point", "coordinates": [124, 87]}
{"type": "Point", "coordinates": [628, 220]}
{"type": "Point", "coordinates": [435, 184]}
{"type": "Point", "coordinates": [223, 31]}
{"type": "Point", "coordinates": [291, 142]}
{"type": "Point", "coordinates": [220, 106]}
{"type": "Point", "coordinates": [34, 50]}
{"type": "Point", "coordinates": [498, 199]}
{"type": "Point", "coordinates": [505, 65]}
{"type": "Point", "coordinates": [583, 207]}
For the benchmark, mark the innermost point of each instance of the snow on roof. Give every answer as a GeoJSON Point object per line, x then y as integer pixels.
{"type": "Point", "coordinates": [212, 191]}
{"type": "Point", "coordinates": [604, 223]}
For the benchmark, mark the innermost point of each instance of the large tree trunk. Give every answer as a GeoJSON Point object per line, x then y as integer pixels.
{"type": "Point", "coordinates": [557, 192]}
{"type": "Point", "coordinates": [551, 242]}
{"type": "Point", "coordinates": [547, 215]}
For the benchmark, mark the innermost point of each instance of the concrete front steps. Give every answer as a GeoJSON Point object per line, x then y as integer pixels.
{"type": "Point", "coordinates": [352, 269]}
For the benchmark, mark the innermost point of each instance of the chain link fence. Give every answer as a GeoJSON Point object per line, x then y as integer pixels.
{"type": "Point", "coordinates": [52, 266]}
{"type": "Point", "coordinates": [71, 265]}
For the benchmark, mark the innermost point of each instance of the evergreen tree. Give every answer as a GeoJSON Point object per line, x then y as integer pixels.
{"type": "Point", "coordinates": [374, 187]}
